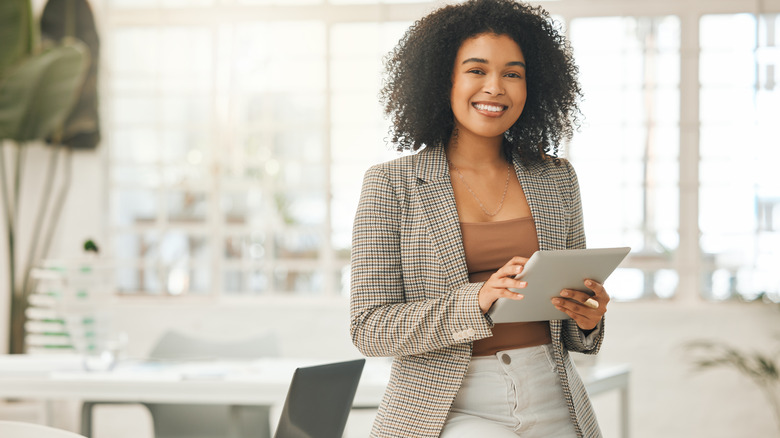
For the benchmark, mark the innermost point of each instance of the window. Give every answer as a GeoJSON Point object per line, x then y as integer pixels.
{"type": "Point", "coordinates": [237, 151]}
{"type": "Point", "coordinates": [238, 132]}
{"type": "Point", "coordinates": [626, 152]}
{"type": "Point", "coordinates": [740, 193]}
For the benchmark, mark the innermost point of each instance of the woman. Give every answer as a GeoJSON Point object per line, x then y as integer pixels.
{"type": "Point", "coordinates": [484, 91]}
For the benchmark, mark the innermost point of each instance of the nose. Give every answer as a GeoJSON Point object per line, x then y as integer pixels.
{"type": "Point", "coordinates": [493, 86]}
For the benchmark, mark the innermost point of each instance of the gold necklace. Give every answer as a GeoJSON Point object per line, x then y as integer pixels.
{"type": "Point", "coordinates": [481, 205]}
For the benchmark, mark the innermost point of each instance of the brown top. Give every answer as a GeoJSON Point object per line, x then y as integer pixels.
{"type": "Point", "coordinates": [488, 246]}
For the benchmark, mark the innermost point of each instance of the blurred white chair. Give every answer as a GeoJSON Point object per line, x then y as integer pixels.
{"type": "Point", "coordinates": [20, 429]}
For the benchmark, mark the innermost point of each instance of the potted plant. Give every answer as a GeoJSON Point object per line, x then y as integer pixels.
{"type": "Point", "coordinates": [41, 81]}
{"type": "Point", "coordinates": [763, 369]}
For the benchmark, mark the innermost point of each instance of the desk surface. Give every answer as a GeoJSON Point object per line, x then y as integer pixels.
{"type": "Point", "coordinates": [261, 382]}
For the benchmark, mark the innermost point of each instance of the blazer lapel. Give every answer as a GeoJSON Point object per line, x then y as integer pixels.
{"type": "Point", "coordinates": [544, 199]}
{"type": "Point", "coordinates": [437, 200]}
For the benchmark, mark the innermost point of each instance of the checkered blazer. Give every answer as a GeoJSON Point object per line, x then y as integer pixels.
{"type": "Point", "coordinates": [411, 298]}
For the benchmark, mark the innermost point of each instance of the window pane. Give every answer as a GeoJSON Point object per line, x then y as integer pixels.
{"type": "Point", "coordinates": [300, 282]}
{"type": "Point", "coordinates": [241, 282]}
{"type": "Point", "coordinates": [134, 206]}
{"type": "Point", "coordinates": [739, 192]}
{"type": "Point", "coordinates": [358, 131]}
{"type": "Point", "coordinates": [186, 206]}
{"type": "Point", "coordinates": [250, 248]}
{"type": "Point", "coordinates": [626, 154]}
{"type": "Point", "coordinates": [297, 244]}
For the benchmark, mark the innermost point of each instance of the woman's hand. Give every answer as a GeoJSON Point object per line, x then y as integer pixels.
{"type": "Point", "coordinates": [585, 310]}
{"type": "Point", "coordinates": [496, 286]}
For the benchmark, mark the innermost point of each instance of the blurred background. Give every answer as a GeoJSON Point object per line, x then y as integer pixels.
{"type": "Point", "coordinates": [235, 134]}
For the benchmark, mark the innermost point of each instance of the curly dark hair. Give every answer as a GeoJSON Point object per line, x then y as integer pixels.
{"type": "Point", "coordinates": [418, 77]}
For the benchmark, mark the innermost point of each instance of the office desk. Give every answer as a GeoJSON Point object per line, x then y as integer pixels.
{"type": "Point", "coordinates": [258, 382]}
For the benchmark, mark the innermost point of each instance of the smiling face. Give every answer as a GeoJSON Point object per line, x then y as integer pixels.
{"type": "Point", "coordinates": [488, 86]}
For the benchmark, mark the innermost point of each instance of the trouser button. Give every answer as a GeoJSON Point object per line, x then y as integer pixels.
{"type": "Point", "coordinates": [506, 359]}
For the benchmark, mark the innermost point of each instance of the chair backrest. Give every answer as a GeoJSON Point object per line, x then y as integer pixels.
{"type": "Point", "coordinates": [177, 346]}
{"type": "Point", "coordinates": [194, 421]}
{"type": "Point", "coordinates": [319, 400]}
{"type": "Point", "coordinates": [18, 429]}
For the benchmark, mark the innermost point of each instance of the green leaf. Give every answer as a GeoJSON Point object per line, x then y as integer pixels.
{"type": "Point", "coordinates": [38, 94]}
{"type": "Point", "coordinates": [767, 367]}
{"type": "Point", "coordinates": [16, 32]}
{"type": "Point", "coordinates": [74, 18]}
{"type": "Point", "coordinates": [760, 368]}
{"type": "Point", "coordinates": [90, 245]}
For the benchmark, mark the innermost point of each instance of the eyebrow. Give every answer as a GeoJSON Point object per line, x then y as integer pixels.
{"type": "Point", "coordinates": [485, 61]}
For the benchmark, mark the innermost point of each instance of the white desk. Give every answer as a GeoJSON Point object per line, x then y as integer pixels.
{"type": "Point", "coordinates": [260, 382]}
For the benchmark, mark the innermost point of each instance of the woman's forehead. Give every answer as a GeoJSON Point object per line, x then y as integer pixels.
{"type": "Point", "coordinates": [489, 46]}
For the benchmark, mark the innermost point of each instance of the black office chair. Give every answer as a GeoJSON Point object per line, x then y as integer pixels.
{"type": "Point", "coordinates": [319, 400]}
{"type": "Point", "coordinates": [195, 421]}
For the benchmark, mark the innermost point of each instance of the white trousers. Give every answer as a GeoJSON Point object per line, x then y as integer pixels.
{"type": "Point", "coordinates": [512, 393]}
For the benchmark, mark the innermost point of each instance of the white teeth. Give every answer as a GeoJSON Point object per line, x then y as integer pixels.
{"type": "Point", "coordinates": [491, 108]}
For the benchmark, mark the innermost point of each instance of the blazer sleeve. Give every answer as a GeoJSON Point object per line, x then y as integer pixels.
{"type": "Point", "coordinates": [573, 337]}
{"type": "Point", "coordinates": [382, 321]}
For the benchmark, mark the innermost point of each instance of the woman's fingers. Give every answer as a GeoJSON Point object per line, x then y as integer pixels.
{"type": "Point", "coordinates": [598, 298]}
{"type": "Point", "coordinates": [509, 282]}
{"type": "Point", "coordinates": [599, 293]}
{"type": "Point", "coordinates": [581, 297]}
{"type": "Point", "coordinates": [578, 307]}
{"type": "Point", "coordinates": [511, 295]}
{"type": "Point", "coordinates": [501, 285]}
{"type": "Point", "coordinates": [489, 294]}
{"type": "Point", "coordinates": [585, 317]}
{"type": "Point", "coordinates": [512, 268]}
{"type": "Point", "coordinates": [498, 285]}
{"type": "Point", "coordinates": [585, 308]}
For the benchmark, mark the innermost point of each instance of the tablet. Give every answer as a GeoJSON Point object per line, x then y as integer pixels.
{"type": "Point", "coordinates": [549, 272]}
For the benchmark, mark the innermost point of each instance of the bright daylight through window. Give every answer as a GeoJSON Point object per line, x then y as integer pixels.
{"type": "Point", "coordinates": [236, 155]}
